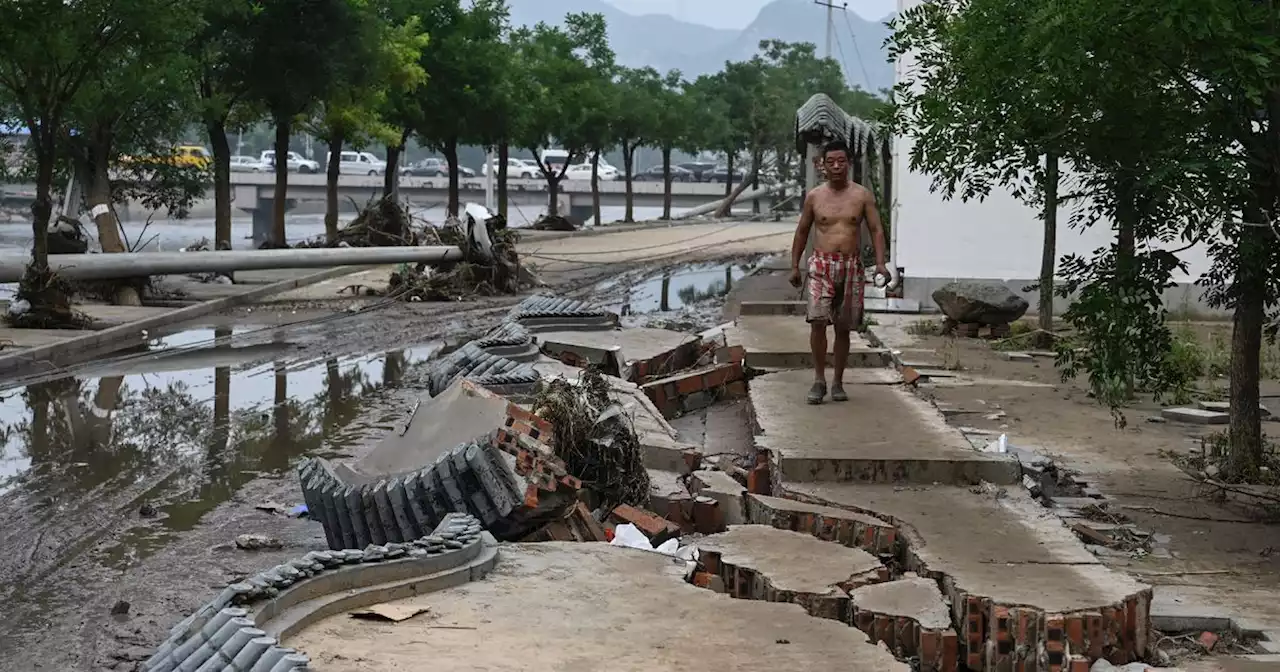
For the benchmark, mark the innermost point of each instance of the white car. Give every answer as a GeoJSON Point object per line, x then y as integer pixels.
{"type": "Point", "coordinates": [516, 169]}
{"type": "Point", "coordinates": [360, 163]}
{"type": "Point", "coordinates": [247, 164]}
{"type": "Point", "coordinates": [295, 161]}
{"type": "Point", "coordinates": [582, 171]}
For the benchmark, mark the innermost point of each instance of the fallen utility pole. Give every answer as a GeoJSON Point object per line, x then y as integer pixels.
{"type": "Point", "coordinates": [746, 196]}
{"type": "Point", "coordinates": [139, 264]}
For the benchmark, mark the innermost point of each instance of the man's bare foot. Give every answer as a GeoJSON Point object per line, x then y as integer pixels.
{"type": "Point", "coordinates": [817, 393]}
{"type": "Point", "coordinates": [838, 393]}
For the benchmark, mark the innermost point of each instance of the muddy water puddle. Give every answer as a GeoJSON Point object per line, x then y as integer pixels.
{"type": "Point", "coordinates": [674, 288]}
{"type": "Point", "coordinates": [166, 436]}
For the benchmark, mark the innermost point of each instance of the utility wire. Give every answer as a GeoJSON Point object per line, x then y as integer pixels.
{"type": "Point", "coordinates": [857, 52]}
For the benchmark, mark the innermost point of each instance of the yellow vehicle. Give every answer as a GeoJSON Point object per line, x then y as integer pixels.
{"type": "Point", "coordinates": [193, 156]}
{"type": "Point", "coordinates": [183, 156]}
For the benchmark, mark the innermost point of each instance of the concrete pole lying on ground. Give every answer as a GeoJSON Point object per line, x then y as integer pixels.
{"type": "Point", "coordinates": [139, 264]}
{"type": "Point", "coordinates": [745, 196]}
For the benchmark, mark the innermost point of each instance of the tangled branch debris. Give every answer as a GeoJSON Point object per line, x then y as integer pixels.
{"type": "Point", "coordinates": [43, 301]}
{"type": "Point", "coordinates": [595, 438]}
{"type": "Point", "coordinates": [481, 272]}
{"type": "Point", "coordinates": [381, 223]}
{"type": "Point", "coordinates": [553, 223]}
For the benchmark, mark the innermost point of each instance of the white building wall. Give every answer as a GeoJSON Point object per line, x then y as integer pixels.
{"type": "Point", "coordinates": [936, 241]}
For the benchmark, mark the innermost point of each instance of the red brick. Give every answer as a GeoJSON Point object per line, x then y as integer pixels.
{"type": "Point", "coordinates": [1079, 664]}
{"type": "Point", "coordinates": [864, 621]}
{"type": "Point", "coordinates": [950, 651]}
{"type": "Point", "coordinates": [1055, 644]}
{"type": "Point", "coordinates": [1094, 635]}
{"type": "Point", "coordinates": [707, 516]}
{"type": "Point", "coordinates": [736, 353]}
{"type": "Point", "coordinates": [657, 528]}
{"type": "Point", "coordinates": [759, 479]}
{"type": "Point", "coordinates": [689, 384]}
{"type": "Point", "coordinates": [1075, 634]}
{"type": "Point", "coordinates": [909, 375]}
{"type": "Point", "coordinates": [735, 390]}
{"type": "Point", "coordinates": [930, 651]}
{"type": "Point", "coordinates": [883, 630]}
{"type": "Point", "coordinates": [1207, 640]}
{"type": "Point", "coordinates": [702, 579]}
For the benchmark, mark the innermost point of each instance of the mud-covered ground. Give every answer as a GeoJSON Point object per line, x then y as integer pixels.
{"type": "Point", "coordinates": [124, 486]}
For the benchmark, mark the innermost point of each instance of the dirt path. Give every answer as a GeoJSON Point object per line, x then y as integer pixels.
{"type": "Point", "coordinates": [1216, 554]}
{"type": "Point", "coordinates": [144, 507]}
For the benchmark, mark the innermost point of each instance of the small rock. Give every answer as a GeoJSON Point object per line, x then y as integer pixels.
{"type": "Point", "coordinates": [121, 608]}
{"type": "Point", "coordinates": [255, 542]}
{"type": "Point", "coordinates": [147, 511]}
{"type": "Point", "coordinates": [1207, 641]}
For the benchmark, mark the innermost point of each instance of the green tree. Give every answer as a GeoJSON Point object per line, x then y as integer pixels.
{"type": "Point", "coordinates": [294, 56]}
{"type": "Point", "coordinates": [132, 97]}
{"type": "Point", "coordinates": [50, 50]}
{"type": "Point", "coordinates": [464, 78]}
{"type": "Point", "coordinates": [560, 66]}
{"type": "Point", "coordinates": [219, 76]}
{"type": "Point", "coordinates": [970, 70]}
{"type": "Point", "coordinates": [388, 59]}
{"type": "Point", "coordinates": [671, 130]}
{"type": "Point", "coordinates": [636, 95]}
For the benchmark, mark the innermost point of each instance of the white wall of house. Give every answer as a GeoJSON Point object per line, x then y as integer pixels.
{"type": "Point", "coordinates": [936, 241]}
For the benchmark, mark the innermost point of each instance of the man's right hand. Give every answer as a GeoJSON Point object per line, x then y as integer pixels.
{"type": "Point", "coordinates": [795, 277]}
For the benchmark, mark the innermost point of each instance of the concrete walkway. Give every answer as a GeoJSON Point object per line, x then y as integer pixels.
{"type": "Point", "coordinates": [565, 606]}
{"type": "Point", "coordinates": [1015, 576]}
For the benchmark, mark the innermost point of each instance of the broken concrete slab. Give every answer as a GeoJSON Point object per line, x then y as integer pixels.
{"type": "Point", "coordinates": [1195, 416]}
{"type": "Point", "coordinates": [1225, 407]}
{"type": "Point", "coordinates": [828, 523]}
{"type": "Point", "coordinates": [669, 497]}
{"type": "Point", "coordinates": [586, 594]}
{"type": "Point", "coordinates": [1004, 561]}
{"type": "Point", "coordinates": [690, 391]}
{"type": "Point", "coordinates": [724, 489]}
{"type": "Point", "coordinates": [1016, 357]}
{"type": "Point", "coordinates": [911, 597]}
{"type": "Point", "coordinates": [648, 352]}
{"type": "Point", "coordinates": [783, 343]}
{"type": "Point", "coordinates": [883, 434]}
{"type": "Point", "coordinates": [758, 562]}
{"type": "Point", "coordinates": [436, 425]}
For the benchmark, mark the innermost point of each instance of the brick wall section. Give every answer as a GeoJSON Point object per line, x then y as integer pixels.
{"type": "Point", "coordinates": [853, 530]}
{"type": "Point", "coordinates": [690, 391]}
{"type": "Point", "coordinates": [936, 649]}
{"type": "Point", "coordinates": [666, 364]}
{"type": "Point", "coordinates": [748, 584]}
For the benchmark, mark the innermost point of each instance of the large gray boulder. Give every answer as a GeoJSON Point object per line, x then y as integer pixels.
{"type": "Point", "coordinates": [970, 302]}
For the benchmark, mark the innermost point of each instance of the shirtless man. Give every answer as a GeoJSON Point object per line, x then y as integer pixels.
{"type": "Point", "coordinates": [835, 269]}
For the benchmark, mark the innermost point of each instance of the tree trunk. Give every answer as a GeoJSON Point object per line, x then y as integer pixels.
{"type": "Point", "coordinates": [595, 187]}
{"type": "Point", "coordinates": [726, 207]}
{"type": "Point", "coordinates": [1246, 348]}
{"type": "Point", "coordinates": [666, 183]}
{"type": "Point", "coordinates": [728, 178]}
{"type": "Point", "coordinates": [504, 155]}
{"type": "Point", "coordinates": [104, 217]}
{"type": "Point", "coordinates": [221, 147]}
{"type": "Point", "coordinates": [333, 172]}
{"type": "Point", "coordinates": [450, 151]}
{"type": "Point", "coordinates": [1049, 253]}
{"type": "Point", "coordinates": [391, 180]}
{"type": "Point", "coordinates": [42, 207]}
{"type": "Point", "coordinates": [628, 163]}
{"type": "Point", "coordinates": [282, 182]}
{"type": "Point", "coordinates": [664, 302]}
{"type": "Point", "coordinates": [755, 184]}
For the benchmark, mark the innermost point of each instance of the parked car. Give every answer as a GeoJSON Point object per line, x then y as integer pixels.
{"type": "Point", "coordinates": [555, 158]}
{"type": "Point", "coordinates": [434, 167]}
{"type": "Point", "coordinates": [721, 175]}
{"type": "Point", "coordinates": [582, 171]}
{"type": "Point", "coordinates": [247, 164]}
{"type": "Point", "coordinates": [699, 169]}
{"type": "Point", "coordinates": [294, 160]}
{"type": "Point", "coordinates": [517, 169]}
{"type": "Point", "coordinates": [183, 156]}
{"type": "Point", "coordinates": [654, 174]}
{"type": "Point", "coordinates": [359, 163]}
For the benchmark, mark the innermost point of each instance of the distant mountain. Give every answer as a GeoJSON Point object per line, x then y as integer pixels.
{"type": "Point", "coordinates": [665, 43]}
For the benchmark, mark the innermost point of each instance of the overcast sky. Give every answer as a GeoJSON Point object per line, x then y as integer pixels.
{"type": "Point", "coordinates": [736, 14]}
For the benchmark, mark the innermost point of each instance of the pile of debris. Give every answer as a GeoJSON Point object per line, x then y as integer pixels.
{"type": "Point", "coordinates": [553, 223]}
{"type": "Point", "coordinates": [489, 266]}
{"type": "Point", "coordinates": [43, 301]}
{"type": "Point", "coordinates": [381, 223]}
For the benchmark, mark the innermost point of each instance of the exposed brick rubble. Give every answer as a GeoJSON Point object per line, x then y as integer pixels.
{"type": "Point", "coordinates": [510, 479]}
{"type": "Point", "coordinates": [695, 390]}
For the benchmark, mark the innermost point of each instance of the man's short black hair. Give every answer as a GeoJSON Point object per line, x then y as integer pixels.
{"type": "Point", "coordinates": [835, 146]}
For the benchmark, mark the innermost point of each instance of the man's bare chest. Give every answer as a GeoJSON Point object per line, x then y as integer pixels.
{"type": "Point", "coordinates": [837, 211]}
